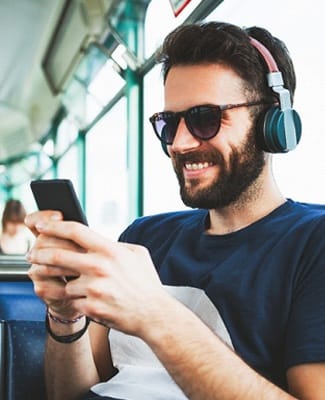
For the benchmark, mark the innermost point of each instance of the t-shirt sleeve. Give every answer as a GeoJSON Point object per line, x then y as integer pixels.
{"type": "Point", "coordinates": [132, 233]}
{"type": "Point", "coordinates": [305, 341]}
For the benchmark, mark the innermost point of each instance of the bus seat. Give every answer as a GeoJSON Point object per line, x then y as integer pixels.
{"type": "Point", "coordinates": [22, 334]}
{"type": "Point", "coordinates": [23, 376]}
{"type": "Point", "coordinates": [19, 302]}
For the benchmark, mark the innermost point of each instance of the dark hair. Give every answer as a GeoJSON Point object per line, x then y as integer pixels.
{"type": "Point", "coordinates": [228, 44]}
{"type": "Point", "coordinates": [14, 211]}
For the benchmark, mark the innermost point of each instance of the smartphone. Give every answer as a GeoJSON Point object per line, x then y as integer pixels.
{"type": "Point", "coordinates": [58, 194]}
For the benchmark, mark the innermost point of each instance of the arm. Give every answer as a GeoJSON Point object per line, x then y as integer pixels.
{"type": "Point", "coordinates": [70, 369]}
{"type": "Point", "coordinates": [108, 290]}
{"type": "Point", "coordinates": [205, 368]}
{"type": "Point", "coordinates": [201, 364]}
{"type": "Point", "coordinates": [306, 381]}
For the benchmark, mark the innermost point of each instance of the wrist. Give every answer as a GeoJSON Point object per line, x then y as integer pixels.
{"type": "Point", "coordinates": [153, 327]}
{"type": "Point", "coordinates": [65, 321]}
{"type": "Point", "coordinates": [66, 332]}
{"type": "Point", "coordinates": [62, 325]}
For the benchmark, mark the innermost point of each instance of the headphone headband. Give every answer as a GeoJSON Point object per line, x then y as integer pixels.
{"type": "Point", "coordinates": [270, 61]}
{"type": "Point", "coordinates": [274, 76]}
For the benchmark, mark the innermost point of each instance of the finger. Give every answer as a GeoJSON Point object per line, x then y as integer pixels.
{"type": "Point", "coordinates": [47, 283]}
{"type": "Point", "coordinates": [80, 234]}
{"type": "Point", "coordinates": [44, 241]}
{"type": "Point", "coordinates": [41, 217]}
{"type": "Point", "coordinates": [67, 262]}
{"type": "Point", "coordinates": [38, 272]}
{"type": "Point", "coordinates": [55, 296]}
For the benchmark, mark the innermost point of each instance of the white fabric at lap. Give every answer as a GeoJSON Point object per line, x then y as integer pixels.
{"type": "Point", "coordinates": [141, 376]}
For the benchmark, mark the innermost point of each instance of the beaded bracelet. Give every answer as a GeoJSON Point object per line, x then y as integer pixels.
{"type": "Point", "coordinates": [63, 321]}
{"type": "Point", "coordinates": [66, 338]}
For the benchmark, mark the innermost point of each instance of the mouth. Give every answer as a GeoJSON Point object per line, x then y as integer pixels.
{"type": "Point", "coordinates": [198, 170]}
{"type": "Point", "coordinates": [197, 166]}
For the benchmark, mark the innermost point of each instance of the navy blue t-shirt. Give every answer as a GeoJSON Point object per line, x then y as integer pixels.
{"type": "Point", "coordinates": [267, 280]}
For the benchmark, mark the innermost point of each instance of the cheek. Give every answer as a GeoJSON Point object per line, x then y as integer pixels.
{"type": "Point", "coordinates": [233, 134]}
{"type": "Point", "coordinates": [223, 143]}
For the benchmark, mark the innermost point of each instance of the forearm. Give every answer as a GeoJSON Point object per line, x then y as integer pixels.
{"type": "Point", "coordinates": [70, 369]}
{"type": "Point", "coordinates": [201, 364]}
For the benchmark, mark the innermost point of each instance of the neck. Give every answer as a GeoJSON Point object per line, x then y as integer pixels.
{"type": "Point", "coordinates": [261, 198]}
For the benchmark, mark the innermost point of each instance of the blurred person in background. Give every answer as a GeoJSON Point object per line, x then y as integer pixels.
{"type": "Point", "coordinates": [15, 237]}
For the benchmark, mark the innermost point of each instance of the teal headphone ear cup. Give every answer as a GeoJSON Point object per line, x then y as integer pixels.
{"type": "Point", "coordinates": [271, 135]}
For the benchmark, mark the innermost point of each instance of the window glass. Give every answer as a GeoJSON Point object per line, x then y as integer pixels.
{"type": "Point", "coordinates": [20, 174]}
{"type": "Point", "coordinates": [24, 194]}
{"type": "Point", "coordinates": [106, 179]}
{"type": "Point", "coordinates": [106, 84]}
{"type": "Point", "coordinates": [37, 162]}
{"type": "Point", "coordinates": [48, 147]}
{"type": "Point", "coordinates": [16, 174]}
{"type": "Point", "coordinates": [67, 134]}
{"type": "Point", "coordinates": [94, 84]}
{"type": "Point", "coordinates": [82, 107]}
{"type": "Point", "coordinates": [90, 64]}
{"type": "Point", "coordinates": [300, 173]}
{"type": "Point", "coordinates": [160, 13]}
{"type": "Point", "coordinates": [68, 167]}
{"type": "Point", "coordinates": [161, 191]}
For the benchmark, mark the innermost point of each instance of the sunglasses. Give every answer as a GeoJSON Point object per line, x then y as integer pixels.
{"type": "Point", "coordinates": [202, 121]}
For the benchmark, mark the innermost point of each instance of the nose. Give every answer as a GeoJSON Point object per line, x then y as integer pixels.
{"type": "Point", "coordinates": [184, 140]}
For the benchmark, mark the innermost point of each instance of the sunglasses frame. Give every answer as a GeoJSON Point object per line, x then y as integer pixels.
{"type": "Point", "coordinates": [186, 114]}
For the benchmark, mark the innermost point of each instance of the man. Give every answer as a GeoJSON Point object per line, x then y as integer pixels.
{"type": "Point", "coordinates": [225, 301]}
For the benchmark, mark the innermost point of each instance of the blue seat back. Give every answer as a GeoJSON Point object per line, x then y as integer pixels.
{"type": "Point", "coordinates": [22, 340]}
{"type": "Point", "coordinates": [24, 353]}
{"type": "Point", "coordinates": [19, 302]}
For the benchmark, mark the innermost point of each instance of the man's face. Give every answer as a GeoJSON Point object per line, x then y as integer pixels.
{"type": "Point", "coordinates": [212, 174]}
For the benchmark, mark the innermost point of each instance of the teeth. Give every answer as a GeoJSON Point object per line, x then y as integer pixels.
{"type": "Point", "coordinates": [195, 166]}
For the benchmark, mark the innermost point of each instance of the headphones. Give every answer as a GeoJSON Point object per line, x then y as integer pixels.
{"type": "Point", "coordinates": [279, 128]}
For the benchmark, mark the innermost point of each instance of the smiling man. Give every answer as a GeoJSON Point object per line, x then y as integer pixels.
{"type": "Point", "coordinates": [225, 301]}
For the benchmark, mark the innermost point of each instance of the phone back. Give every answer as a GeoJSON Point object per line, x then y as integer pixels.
{"type": "Point", "coordinates": [58, 194]}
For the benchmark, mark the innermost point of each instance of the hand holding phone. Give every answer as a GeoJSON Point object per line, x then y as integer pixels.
{"type": "Point", "coordinates": [59, 194]}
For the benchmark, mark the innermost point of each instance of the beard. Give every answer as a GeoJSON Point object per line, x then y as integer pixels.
{"type": "Point", "coordinates": [235, 178]}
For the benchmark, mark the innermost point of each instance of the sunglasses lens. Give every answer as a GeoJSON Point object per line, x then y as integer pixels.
{"type": "Point", "coordinates": [204, 121]}
{"type": "Point", "coordinates": [166, 126]}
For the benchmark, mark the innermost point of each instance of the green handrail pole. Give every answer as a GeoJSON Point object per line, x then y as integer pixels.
{"type": "Point", "coordinates": [81, 143]}
{"type": "Point", "coordinates": [134, 145]}
{"type": "Point", "coordinates": [132, 26]}
{"type": "Point", "coordinates": [9, 192]}
{"type": "Point", "coordinates": [54, 167]}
